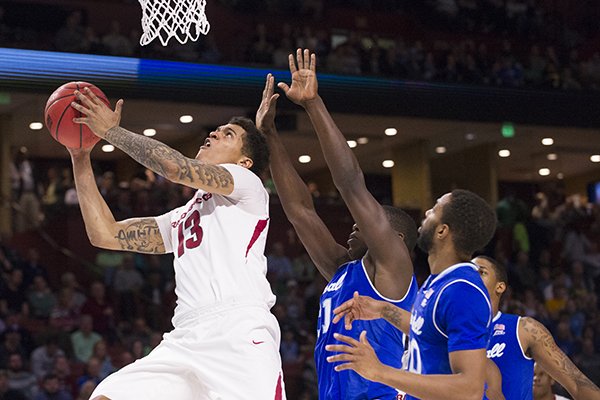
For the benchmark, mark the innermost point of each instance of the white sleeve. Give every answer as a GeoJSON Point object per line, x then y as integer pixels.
{"type": "Point", "coordinates": [164, 226]}
{"type": "Point", "coordinates": [248, 191]}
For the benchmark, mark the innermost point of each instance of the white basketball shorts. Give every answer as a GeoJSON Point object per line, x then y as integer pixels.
{"type": "Point", "coordinates": [228, 351]}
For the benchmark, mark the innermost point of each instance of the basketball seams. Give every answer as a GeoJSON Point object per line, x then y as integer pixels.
{"type": "Point", "coordinates": [53, 112]}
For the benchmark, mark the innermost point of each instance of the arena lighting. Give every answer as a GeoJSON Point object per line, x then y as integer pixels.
{"type": "Point", "coordinates": [391, 131]}
{"type": "Point", "coordinates": [186, 119]}
{"type": "Point", "coordinates": [108, 148]}
{"type": "Point", "coordinates": [352, 143]}
{"type": "Point", "coordinates": [304, 159]}
{"type": "Point", "coordinates": [36, 126]}
{"type": "Point", "coordinates": [547, 141]}
{"type": "Point", "coordinates": [508, 130]}
{"type": "Point", "coordinates": [388, 163]}
{"type": "Point", "coordinates": [470, 136]}
{"type": "Point", "coordinates": [544, 171]}
{"type": "Point", "coordinates": [560, 175]}
{"type": "Point", "coordinates": [504, 153]}
{"type": "Point", "coordinates": [149, 132]}
{"type": "Point", "coordinates": [440, 149]}
{"type": "Point", "coordinates": [595, 158]}
{"type": "Point", "coordinates": [362, 140]}
{"type": "Point", "coordinates": [552, 156]}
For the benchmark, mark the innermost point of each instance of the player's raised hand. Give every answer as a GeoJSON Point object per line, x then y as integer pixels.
{"type": "Point", "coordinates": [357, 355]}
{"type": "Point", "coordinates": [304, 78]}
{"type": "Point", "coordinates": [358, 308]}
{"type": "Point", "coordinates": [265, 115]}
{"type": "Point", "coordinates": [98, 117]}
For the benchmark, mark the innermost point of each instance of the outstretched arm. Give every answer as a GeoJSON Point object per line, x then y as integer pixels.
{"type": "Point", "coordinates": [387, 250]}
{"type": "Point", "coordinates": [465, 382]}
{"type": "Point", "coordinates": [151, 153]}
{"type": "Point", "coordinates": [295, 198]}
{"type": "Point", "coordinates": [366, 308]}
{"type": "Point", "coordinates": [542, 347]}
{"type": "Point", "coordinates": [139, 235]}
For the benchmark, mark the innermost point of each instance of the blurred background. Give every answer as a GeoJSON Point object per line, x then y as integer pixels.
{"type": "Point", "coordinates": [497, 96]}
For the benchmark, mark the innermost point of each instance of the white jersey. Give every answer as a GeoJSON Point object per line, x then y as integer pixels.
{"type": "Point", "coordinates": [218, 244]}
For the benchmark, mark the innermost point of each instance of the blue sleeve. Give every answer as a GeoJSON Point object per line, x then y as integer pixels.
{"type": "Point", "coordinates": [463, 315]}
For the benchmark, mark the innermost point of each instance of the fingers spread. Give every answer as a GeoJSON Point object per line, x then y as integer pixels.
{"type": "Point", "coordinates": [346, 339]}
{"type": "Point", "coordinates": [292, 63]}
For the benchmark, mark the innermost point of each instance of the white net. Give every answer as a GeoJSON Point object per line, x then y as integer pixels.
{"type": "Point", "coordinates": [182, 19]}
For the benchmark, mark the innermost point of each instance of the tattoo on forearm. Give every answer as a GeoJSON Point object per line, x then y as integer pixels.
{"type": "Point", "coordinates": [161, 159]}
{"type": "Point", "coordinates": [393, 315]}
{"type": "Point", "coordinates": [542, 337]}
{"type": "Point", "coordinates": [142, 236]}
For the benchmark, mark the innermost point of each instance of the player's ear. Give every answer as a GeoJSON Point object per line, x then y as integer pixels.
{"type": "Point", "coordinates": [500, 287]}
{"type": "Point", "coordinates": [442, 231]}
{"type": "Point", "coordinates": [246, 162]}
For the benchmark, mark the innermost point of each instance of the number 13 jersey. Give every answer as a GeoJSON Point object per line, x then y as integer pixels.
{"type": "Point", "coordinates": [218, 244]}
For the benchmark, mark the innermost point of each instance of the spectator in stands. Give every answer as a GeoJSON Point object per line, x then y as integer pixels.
{"type": "Point", "coordinates": [11, 344]}
{"type": "Point", "coordinates": [86, 390]}
{"type": "Point", "coordinates": [279, 266]}
{"type": "Point", "coordinates": [44, 357]}
{"type": "Point", "coordinates": [127, 284]}
{"type": "Point", "coordinates": [289, 348]}
{"type": "Point", "coordinates": [100, 308]}
{"type": "Point", "coordinates": [51, 390]}
{"type": "Point", "coordinates": [6, 393]}
{"type": "Point", "coordinates": [19, 378]}
{"type": "Point", "coordinates": [69, 281]}
{"type": "Point", "coordinates": [589, 360]}
{"type": "Point", "coordinates": [32, 267]}
{"type": "Point", "coordinates": [29, 214]}
{"type": "Point", "coordinates": [84, 339]}
{"type": "Point", "coordinates": [69, 37]}
{"type": "Point", "coordinates": [62, 369]}
{"type": "Point", "coordinates": [152, 295]}
{"type": "Point", "coordinates": [64, 315]}
{"type": "Point", "coordinates": [92, 373]}
{"type": "Point", "coordinates": [54, 192]}
{"type": "Point", "coordinates": [40, 298]}
{"type": "Point", "coordinates": [101, 353]}
{"type": "Point", "coordinates": [115, 42]}
{"type": "Point", "coordinates": [13, 297]}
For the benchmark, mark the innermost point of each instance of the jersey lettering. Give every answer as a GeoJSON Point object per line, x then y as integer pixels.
{"type": "Point", "coordinates": [192, 225]}
{"type": "Point", "coordinates": [326, 309]}
{"type": "Point", "coordinates": [496, 351]}
{"type": "Point", "coordinates": [414, 362]}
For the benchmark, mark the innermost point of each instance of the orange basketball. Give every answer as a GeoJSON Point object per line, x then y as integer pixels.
{"type": "Point", "coordinates": [59, 115]}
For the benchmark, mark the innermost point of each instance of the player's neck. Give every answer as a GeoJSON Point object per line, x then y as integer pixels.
{"type": "Point", "coordinates": [495, 307]}
{"type": "Point", "coordinates": [439, 261]}
{"type": "Point", "coordinates": [546, 396]}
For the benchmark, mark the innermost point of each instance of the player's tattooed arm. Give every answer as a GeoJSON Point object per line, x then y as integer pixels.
{"type": "Point", "coordinates": [140, 235]}
{"type": "Point", "coordinates": [543, 349]}
{"type": "Point", "coordinates": [396, 316]}
{"type": "Point", "coordinates": [170, 163]}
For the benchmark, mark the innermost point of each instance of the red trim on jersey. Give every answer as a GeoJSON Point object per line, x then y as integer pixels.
{"type": "Point", "coordinates": [279, 389]}
{"type": "Point", "coordinates": [258, 229]}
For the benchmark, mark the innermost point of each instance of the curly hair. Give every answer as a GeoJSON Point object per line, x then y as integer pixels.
{"type": "Point", "coordinates": [471, 220]}
{"type": "Point", "coordinates": [255, 144]}
{"type": "Point", "coordinates": [403, 223]}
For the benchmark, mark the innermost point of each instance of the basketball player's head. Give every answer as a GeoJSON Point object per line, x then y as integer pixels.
{"type": "Point", "coordinates": [238, 142]}
{"type": "Point", "coordinates": [400, 221]}
{"type": "Point", "coordinates": [542, 383]}
{"type": "Point", "coordinates": [459, 219]}
{"type": "Point", "coordinates": [493, 274]}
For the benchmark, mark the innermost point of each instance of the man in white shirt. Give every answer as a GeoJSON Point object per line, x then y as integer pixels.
{"type": "Point", "coordinates": [225, 342]}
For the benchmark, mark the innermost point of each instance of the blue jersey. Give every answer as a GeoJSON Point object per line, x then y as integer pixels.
{"type": "Point", "coordinates": [452, 312]}
{"type": "Point", "coordinates": [384, 337]}
{"type": "Point", "coordinates": [506, 351]}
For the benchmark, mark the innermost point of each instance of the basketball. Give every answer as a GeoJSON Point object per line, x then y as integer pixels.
{"type": "Point", "coordinates": [59, 115]}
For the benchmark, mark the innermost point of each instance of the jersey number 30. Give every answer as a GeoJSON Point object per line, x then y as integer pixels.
{"type": "Point", "coordinates": [192, 230]}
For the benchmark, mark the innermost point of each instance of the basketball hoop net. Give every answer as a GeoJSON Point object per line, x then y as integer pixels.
{"type": "Point", "coordinates": [182, 19]}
